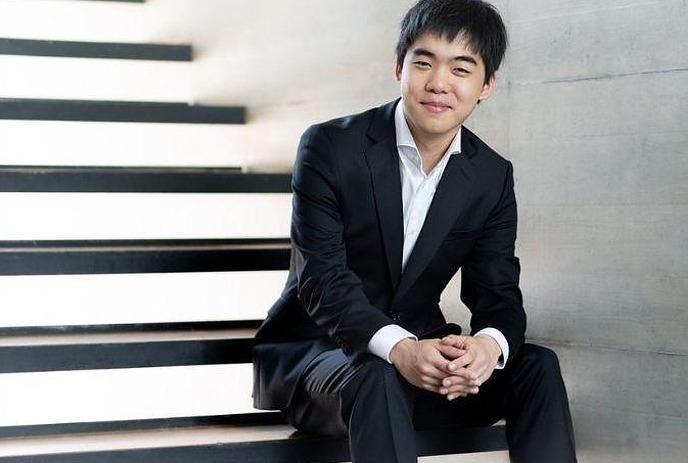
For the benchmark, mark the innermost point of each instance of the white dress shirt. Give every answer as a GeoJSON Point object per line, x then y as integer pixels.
{"type": "Point", "coordinates": [417, 191]}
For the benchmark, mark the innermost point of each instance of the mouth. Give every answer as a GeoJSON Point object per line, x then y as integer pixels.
{"type": "Point", "coordinates": [435, 107]}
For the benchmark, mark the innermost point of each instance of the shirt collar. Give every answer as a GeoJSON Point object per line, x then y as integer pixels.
{"type": "Point", "coordinates": [404, 137]}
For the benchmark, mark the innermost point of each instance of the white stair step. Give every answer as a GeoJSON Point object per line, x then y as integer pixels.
{"type": "Point", "coordinates": [178, 439]}
{"type": "Point", "coordinates": [121, 144]}
{"type": "Point", "coordinates": [96, 79]}
{"type": "Point", "coordinates": [124, 394]}
{"type": "Point", "coordinates": [126, 440]}
{"type": "Point", "coordinates": [99, 216]}
{"type": "Point", "coordinates": [138, 298]}
{"type": "Point", "coordinates": [98, 21]}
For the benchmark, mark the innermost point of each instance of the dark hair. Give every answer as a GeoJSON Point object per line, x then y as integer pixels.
{"type": "Point", "coordinates": [477, 20]}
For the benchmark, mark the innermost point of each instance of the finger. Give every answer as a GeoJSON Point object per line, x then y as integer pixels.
{"type": "Point", "coordinates": [431, 381]}
{"type": "Point", "coordinates": [464, 373]}
{"type": "Point", "coordinates": [455, 340]}
{"type": "Point", "coordinates": [456, 389]}
{"type": "Point", "coordinates": [462, 361]}
{"type": "Point", "coordinates": [428, 387]}
{"type": "Point", "coordinates": [438, 361]}
{"type": "Point", "coordinates": [479, 374]}
{"type": "Point", "coordinates": [450, 352]}
{"type": "Point", "coordinates": [458, 380]}
{"type": "Point", "coordinates": [460, 390]}
{"type": "Point", "coordinates": [450, 348]}
{"type": "Point", "coordinates": [440, 364]}
{"type": "Point", "coordinates": [429, 369]}
{"type": "Point", "coordinates": [479, 366]}
{"type": "Point", "coordinates": [486, 375]}
{"type": "Point", "coordinates": [455, 396]}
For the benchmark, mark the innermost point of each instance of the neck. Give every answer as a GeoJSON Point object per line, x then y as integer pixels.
{"type": "Point", "coordinates": [431, 147]}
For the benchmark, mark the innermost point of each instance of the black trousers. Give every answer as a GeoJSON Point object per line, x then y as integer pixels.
{"type": "Point", "coordinates": [365, 398]}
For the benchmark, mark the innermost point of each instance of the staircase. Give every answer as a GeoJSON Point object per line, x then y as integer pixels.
{"type": "Point", "coordinates": [132, 285]}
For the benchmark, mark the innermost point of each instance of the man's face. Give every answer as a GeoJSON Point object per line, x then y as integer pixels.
{"type": "Point", "coordinates": [441, 82]}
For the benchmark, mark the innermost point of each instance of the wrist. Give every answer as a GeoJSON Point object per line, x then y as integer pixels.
{"type": "Point", "coordinates": [492, 346]}
{"type": "Point", "coordinates": [399, 349]}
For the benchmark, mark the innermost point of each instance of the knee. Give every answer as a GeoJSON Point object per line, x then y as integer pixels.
{"type": "Point", "coordinates": [373, 371]}
{"type": "Point", "coordinates": [541, 359]}
{"type": "Point", "coordinates": [372, 376]}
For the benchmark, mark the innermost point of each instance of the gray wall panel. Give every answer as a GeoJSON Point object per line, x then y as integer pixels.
{"type": "Point", "coordinates": [593, 112]}
{"type": "Point", "coordinates": [645, 313]}
{"type": "Point", "coordinates": [638, 38]}
{"type": "Point", "coordinates": [625, 404]}
{"type": "Point", "coordinates": [629, 106]}
{"type": "Point", "coordinates": [530, 10]}
{"type": "Point", "coordinates": [624, 240]}
{"type": "Point", "coordinates": [643, 169]}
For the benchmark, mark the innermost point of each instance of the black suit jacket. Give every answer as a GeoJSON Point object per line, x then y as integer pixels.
{"type": "Point", "coordinates": [345, 280]}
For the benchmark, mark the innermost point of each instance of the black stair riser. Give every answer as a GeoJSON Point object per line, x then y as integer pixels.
{"type": "Point", "coordinates": [78, 259]}
{"type": "Point", "coordinates": [128, 328]}
{"type": "Point", "coordinates": [118, 111]}
{"type": "Point", "coordinates": [24, 359]}
{"type": "Point", "coordinates": [139, 180]}
{"type": "Point", "coordinates": [244, 419]}
{"type": "Point", "coordinates": [107, 50]}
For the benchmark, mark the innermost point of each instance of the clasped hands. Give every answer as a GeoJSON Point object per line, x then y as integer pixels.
{"type": "Point", "coordinates": [454, 366]}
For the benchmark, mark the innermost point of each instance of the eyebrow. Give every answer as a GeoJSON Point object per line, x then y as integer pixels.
{"type": "Point", "coordinates": [429, 54]}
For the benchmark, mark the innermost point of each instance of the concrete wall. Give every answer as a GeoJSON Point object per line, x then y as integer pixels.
{"type": "Point", "coordinates": [592, 108]}
{"type": "Point", "coordinates": [595, 118]}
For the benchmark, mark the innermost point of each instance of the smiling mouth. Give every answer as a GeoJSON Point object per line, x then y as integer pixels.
{"type": "Point", "coordinates": [435, 107]}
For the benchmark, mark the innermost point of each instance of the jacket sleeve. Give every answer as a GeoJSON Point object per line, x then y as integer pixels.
{"type": "Point", "coordinates": [490, 276]}
{"type": "Point", "coordinates": [330, 292]}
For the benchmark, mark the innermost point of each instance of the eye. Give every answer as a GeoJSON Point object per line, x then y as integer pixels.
{"type": "Point", "coordinates": [421, 64]}
{"type": "Point", "coordinates": [461, 71]}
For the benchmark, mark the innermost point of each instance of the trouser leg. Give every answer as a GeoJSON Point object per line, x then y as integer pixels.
{"type": "Point", "coordinates": [539, 428]}
{"type": "Point", "coordinates": [362, 397]}
{"type": "Point", "coordinates": [366, 398]}
{"type": "Point", "coordinates": [529, 393]}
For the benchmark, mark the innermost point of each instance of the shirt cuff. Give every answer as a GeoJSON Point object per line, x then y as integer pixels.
{"type": "Point", "coordinates": [386, 338]}
{"type": "Point", "coordinates": [501, 340]}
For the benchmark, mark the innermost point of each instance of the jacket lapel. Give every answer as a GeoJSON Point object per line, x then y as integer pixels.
{"type": "Point", "coordinates": [449, 202]}
{"type": "Point", "coordinates": [383, 161]}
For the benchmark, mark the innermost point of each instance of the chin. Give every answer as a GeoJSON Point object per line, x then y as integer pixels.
{"type": "Point", "coordinates": [439, 124]}
{"type": "Point", "coordinates": [439, 128]}
{"type": "Point", "coordinates": [433, 124]}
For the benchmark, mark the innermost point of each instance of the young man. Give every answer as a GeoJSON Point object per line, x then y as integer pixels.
{"type": "Point", "coordinates": [387, 206]}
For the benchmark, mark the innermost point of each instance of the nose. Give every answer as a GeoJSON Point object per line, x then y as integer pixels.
{"type": "Point", "coordinates": [437, 82]}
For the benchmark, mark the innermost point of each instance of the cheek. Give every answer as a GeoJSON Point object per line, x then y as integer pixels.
{"type": "Point", "coordinates": [411, 87]}
{"type": "Point", "coordinates": [466, 94]}
{"type": "Point", "coordinates": [472, 92]}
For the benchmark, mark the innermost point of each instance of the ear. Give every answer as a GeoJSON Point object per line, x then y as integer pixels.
{"type": "Point", "coordinates": [488, 88]}
{"type": "Point", "coordinates": [397, 71]}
